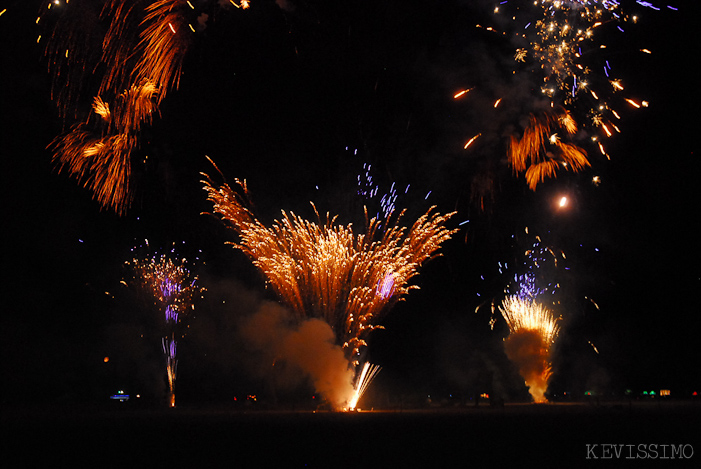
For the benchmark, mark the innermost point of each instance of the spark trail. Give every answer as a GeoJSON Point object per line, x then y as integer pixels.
{"type": "Point", "coordinates": [366, 376]}
{"type": "Point", "coordinates": [373, 195]}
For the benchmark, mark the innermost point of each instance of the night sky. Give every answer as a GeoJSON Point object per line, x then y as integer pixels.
{"type": "Point", "coordinates": [295, 96]}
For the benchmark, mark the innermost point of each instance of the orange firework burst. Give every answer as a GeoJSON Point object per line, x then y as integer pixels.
{"type": "Point", "coordinates": [141, 54]}
{"type": "Point", "coordinates": [101, 160]}
{"type": "Point", "coordinates": [533, 330]}
{"type": "Point", "coordinates": [101, 164]}
{"type": "Point", "coordinates": [540, 152]}
{"type": "Point", "coordinates": [556, 43]}
{"type": "Point", "coordinates": [325, 270]}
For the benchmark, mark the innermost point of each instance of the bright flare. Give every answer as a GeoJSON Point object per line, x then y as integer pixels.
{"type": "Point", "coordinates": [366, 376]}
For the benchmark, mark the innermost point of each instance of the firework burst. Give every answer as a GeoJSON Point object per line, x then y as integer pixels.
{"type": "Point", "coordinates": [528, 315]}
{"type": "Point", "coordinates": [327, 271]}
{"type": "Point", "coordinates": [173, 289]}
{"type": "Point", "coordinates": [99, 155]}
{"type": "Point", "coordinates": [141, 54]}
{"type": "Point", "coordinates": [532, 332]}
{"type": "Point", "coordinates": [561, 54]}
{"type": "Point", "coordinates": [528, 304]}
{"type": "Point", "coordinates": [540, 153]}
{"type": "Point", "coordinates": [125, 55]}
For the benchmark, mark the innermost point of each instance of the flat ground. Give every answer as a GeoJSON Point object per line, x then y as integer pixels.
{"type": "Point", "coordinates": [542, 436]}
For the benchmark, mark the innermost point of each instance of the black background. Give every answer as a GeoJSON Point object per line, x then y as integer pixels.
{"type": "Point", "coordinates": [284, 99]}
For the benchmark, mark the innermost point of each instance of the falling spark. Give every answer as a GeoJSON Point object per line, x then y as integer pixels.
{"type": "Point", "coordinates": [469, 142]}
{"type": "Point", "coordinates": [593, 346]}
{"type": "Point", "coordinates": [370, 192]}
{"type": "Point", "coordinates": [593, 302]}
{"type": "Point", "coordinates": [462, 93]}
{"type": "Point", "coordinates": [601, 149]}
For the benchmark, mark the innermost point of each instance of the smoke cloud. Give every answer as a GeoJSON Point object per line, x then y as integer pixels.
{"type": "Point", "coordinates": [530, 353]}
{"type": "Point", "coordinates": [307, 347]}
{"type": "Point", "coordinates": [285, 5]}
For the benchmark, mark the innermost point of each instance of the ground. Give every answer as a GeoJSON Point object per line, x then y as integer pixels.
{"type": "Point", "coordinates": [522, 435]}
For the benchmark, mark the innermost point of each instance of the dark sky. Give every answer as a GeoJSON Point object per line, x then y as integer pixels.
{"type": "Point", "coordinates": [295, 101]}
